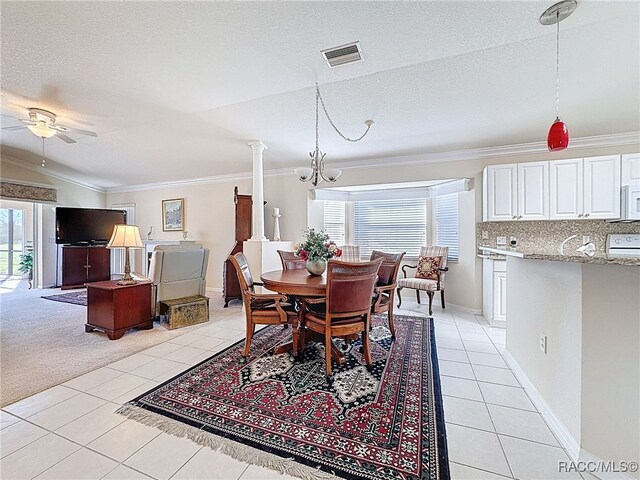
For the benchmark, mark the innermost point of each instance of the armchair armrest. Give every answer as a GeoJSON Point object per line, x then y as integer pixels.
{"type": "Point", "coordinates": [313, 300]}
{"type": "Point", "coordinates": [378, 291]}
{"type": "Point", "coordinates": [385, 288]}
{"type": "Point", "coordinates": [445, 269]}
{"type": "Point", "coordinates": [276, 297]}
{"type": "Point", "coordinates": [404, 272]}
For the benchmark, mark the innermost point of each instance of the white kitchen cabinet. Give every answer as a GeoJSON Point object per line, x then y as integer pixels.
{"type": "Point", "coordinates": [586, 188]}
{"type": "Point", "coordinates": [630, 168]}
{"type": "Point", "coordinates": [533, 191]}
{"type": "Point", "coordinates": [602, 187]}
{"type": "Point", "coordinates": [494, 298]}
{"type": "Point", "coordinates": [566, 189]}
{"type": "Point", "coordinates": [501, 192]}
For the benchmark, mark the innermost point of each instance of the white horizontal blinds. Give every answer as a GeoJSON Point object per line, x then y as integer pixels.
{"type": "Point", "coordinates": [392, 226]}
{"type": "Point", "coordinates": [334, 221]}
{"type": "Point", "coordinates": [447, 224]}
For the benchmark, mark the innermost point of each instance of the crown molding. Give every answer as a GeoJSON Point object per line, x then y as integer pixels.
{"type": "Point", "coordinates": [613, 140]}
{"type": "Point", "coordinates": [50, 173]}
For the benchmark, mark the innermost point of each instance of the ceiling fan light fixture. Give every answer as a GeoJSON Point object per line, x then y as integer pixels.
{"type": "Point", "coordinates": [42, 131]}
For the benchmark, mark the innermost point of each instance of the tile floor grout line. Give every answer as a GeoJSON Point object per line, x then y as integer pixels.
{"type": "Point", "coordinates": [190, 458]}
{"type": "Point", "coordinates": [483, 470]}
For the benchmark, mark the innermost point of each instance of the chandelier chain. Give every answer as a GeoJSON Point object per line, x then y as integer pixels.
{"type": "Point", "coordinates": [319, 96]}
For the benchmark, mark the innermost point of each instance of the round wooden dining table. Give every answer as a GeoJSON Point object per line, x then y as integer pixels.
{"type": "Point", "coordinates": [299, 283]}
{"type": "Point", "coordinates": [295, 282]}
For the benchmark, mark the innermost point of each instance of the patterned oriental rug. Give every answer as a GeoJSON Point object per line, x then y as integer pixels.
{"type": "Point", "coordinates": [77, 298]}
{"type": "Point", "coordinates": [278, 412]}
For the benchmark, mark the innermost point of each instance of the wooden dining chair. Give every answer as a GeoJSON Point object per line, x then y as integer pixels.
{"type": "Point", "coordinates": [346, 308]}
{"type": "Point", "coordinates": [385, 287]}
{"type": "Point", "coordinates": [261, 308]}
{"type": "Point", "coordinates": [290, 261]}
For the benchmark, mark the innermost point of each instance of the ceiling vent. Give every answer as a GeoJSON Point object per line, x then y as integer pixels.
{"type": "Point", "coordinates": [343, 55]}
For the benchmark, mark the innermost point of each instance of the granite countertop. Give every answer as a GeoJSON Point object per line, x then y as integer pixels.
{"type": "Point", "coordinates": [556, 257]}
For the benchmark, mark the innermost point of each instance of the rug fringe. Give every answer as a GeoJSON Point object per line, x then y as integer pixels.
{"type": "Point", "coordinates": [243, 453]}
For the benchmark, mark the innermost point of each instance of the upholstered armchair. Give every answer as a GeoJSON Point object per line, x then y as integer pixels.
{"type": "Point", "coordinates": [346, 309]}
{"type": "Point", "coordinates": [433, 275]}
{"type": "Point", "coordinates": [177, 271]}
{"type": "Point", "coordinates": [350, 253]}
{"type": "Point", "coordinates": [386, 285]}
{"type": "Point", "coordinates": [261, 308]}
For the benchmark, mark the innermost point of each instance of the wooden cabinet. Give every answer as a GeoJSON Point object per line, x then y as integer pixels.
{"type": "Point", "coordinates": [517, 191]}
{"type": "Point", "coordinates": [630, 168]}
{"type": "Point", "coordinates": [586, 188]}
{"type": "Point", "coordinates": [83, 264]}
{"type": "Point", "coordinates": [115, 308]}
{"type": "Point", "coordinates": [230, 284]}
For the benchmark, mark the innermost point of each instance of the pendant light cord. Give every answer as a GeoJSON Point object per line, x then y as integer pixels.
{"type": "Point", "coordinates": [319, 96]}
{"type": "Point", "coordinates": [42, 152]}
{"type": "Point", "coordinates": [558, 63]}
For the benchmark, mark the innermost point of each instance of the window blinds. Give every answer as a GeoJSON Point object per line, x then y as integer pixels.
{"type": "Point", "coordinates": [392, 226]}
{"type": "Point", "coordinates": [447, 224]}
{"type": "Point", "coordinates": [334, 221]}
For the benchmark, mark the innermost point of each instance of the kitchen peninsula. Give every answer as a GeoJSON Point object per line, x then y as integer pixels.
{"type": "Point", "coordinates": [573, 337]}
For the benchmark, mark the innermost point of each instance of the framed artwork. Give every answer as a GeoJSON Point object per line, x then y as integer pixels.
{"type": "Point", "coordinates": [173, 215]}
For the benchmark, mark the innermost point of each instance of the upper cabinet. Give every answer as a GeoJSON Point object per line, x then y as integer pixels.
{"type": "Point", "coordinates": [586, 188]}
{"type": "Point", "coordinates": [578, 188]}
{"type": "Point", "coordinates": [630, 168]}
{"type": "Point", "coordinates": [517, 191]}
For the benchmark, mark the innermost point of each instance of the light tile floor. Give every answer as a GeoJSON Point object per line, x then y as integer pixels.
{"type": "Point", "coordinates": [71, 431]}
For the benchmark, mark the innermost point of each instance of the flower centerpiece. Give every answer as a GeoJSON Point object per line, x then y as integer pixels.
{"type": "Point", "coordinates": [316, 249]}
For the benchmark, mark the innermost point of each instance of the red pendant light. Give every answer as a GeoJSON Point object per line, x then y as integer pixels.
{"type": "Point", "coordinates": [558, 137]}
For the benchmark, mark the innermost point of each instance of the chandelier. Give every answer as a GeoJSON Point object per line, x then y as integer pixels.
{"type": "Point", "coordinates": [317, 172]}
{"type": "Point", "coordinates": [558, 137]}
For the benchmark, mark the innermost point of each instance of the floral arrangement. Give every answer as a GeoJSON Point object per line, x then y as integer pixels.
{"type": "Point", "coordinates": [316, 246]}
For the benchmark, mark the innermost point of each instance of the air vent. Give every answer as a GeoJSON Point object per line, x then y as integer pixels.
{"type": "Point", "coordinates": [343, 54]}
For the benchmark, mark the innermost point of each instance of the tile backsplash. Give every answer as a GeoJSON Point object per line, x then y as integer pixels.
{"type": "Point", "coordinates": [545, 236]}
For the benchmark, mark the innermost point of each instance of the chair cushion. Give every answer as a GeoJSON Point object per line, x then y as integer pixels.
{"type": "Point", "coordinates": [428, 267]}
{"type": "Point", "coordinates": [418, 284]}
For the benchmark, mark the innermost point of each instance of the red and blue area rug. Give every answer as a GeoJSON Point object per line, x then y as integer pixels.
{"type": "Point", "coordinates": [383, 422]}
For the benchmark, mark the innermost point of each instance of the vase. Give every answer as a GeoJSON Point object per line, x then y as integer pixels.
{"type": "Point", "coordinates": [316, 267]}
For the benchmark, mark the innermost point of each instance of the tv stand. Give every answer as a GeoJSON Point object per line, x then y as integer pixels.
{"type": "Point", "coordinates": [84, 263]}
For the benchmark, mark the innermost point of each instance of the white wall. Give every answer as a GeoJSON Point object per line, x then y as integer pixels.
{"type": "Point", "coordinates": [70, 194]}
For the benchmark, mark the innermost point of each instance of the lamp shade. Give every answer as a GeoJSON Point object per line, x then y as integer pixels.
{"type": "Point", "coordinates": [558, 138]}
{"type": "Point", "coordinates": [125, 236]}
{"type": "Point", "coordinates": [42, 130]}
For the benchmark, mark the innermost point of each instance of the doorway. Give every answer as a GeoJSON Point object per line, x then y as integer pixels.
{"type": "Point", "coordinates": [12, 240]}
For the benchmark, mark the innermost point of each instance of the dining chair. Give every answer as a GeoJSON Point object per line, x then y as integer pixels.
{"type": "Point", "coordinates": [384, 291]}
{"type": "Point", "coordinates": [346, 308]}
{"type": "Point", "coordinates": [261, 308]}
{"type": "Point", "coordinates": [290, 261]}
{"type": "Point", "coordinates": [430, 275]}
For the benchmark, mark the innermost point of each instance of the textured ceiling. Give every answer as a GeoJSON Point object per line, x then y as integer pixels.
{"type": "Point", "coordinates": [176, 89]}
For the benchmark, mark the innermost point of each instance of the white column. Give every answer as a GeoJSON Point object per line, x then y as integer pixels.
{"type": "Point", "coordinates": [257, 211]}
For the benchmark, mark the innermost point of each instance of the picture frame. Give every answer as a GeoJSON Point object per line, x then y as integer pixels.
{"type": "Point", "coordinates": [173, 215]}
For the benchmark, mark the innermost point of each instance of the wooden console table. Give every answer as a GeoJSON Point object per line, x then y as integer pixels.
{"type": "Point", "coordinates": [115, 309]}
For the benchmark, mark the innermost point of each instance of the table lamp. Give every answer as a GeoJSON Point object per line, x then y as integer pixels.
{"type": "Point", "coordinates": [126, 236]}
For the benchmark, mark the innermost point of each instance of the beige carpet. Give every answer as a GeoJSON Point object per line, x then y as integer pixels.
{"type": "Point", "coordinates": [43, 343]}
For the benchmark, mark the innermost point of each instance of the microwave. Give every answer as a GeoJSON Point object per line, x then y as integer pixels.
{"type": "Point", "coordinates": [630, 198]}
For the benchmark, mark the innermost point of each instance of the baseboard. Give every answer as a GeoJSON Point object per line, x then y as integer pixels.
{"type": "Point", "coordinates": [474, 311]}
{"type": "Point", "coordinates": [570, 444]}
{"type": "Point", "coordinates": [590, 462]}
{"type": "Point", "coordinates": [214, 289]}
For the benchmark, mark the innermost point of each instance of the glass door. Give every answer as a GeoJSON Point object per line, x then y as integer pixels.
{"type": "Point", "coordinates": [11, 240]}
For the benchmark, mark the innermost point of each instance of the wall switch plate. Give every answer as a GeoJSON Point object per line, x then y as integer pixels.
{"type": "Point", "coordinates": [543, 343]}
{"type": "Point", "coordinates": [52, 239]}
{"type": "Point", "coordinates": [501, 240]}
{"type": "Point", "coordinates": [485, 235]}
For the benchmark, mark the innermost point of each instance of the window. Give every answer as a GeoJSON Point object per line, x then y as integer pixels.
{"type": "Point", "coordinates": [390, 226]}
{"type": "Point", "coordinates": [446, 224]}
{"type": "Point", "coordinates": [334, 221]}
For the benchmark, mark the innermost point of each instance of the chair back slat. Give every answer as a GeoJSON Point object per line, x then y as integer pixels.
{"type": "Point", "coordinates": [290, 261]}
{"type": "Point", "coordinates": [390, 266]}
{"type": "Point", "coordinates": [350, 287]}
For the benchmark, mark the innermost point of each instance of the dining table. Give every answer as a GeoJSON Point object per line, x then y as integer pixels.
{"type": "Point", "coordinates": [299, 283]}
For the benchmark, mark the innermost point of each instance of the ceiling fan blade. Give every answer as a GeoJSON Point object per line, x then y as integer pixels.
{"type": "Point", "coordinates": [62, 136]}
{"type": "Point", "coordinates": [15, 127]}
{"type": "Point", "coordinates": [62, 128]}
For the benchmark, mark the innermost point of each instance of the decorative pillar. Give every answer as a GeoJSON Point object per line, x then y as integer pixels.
{"type": "Point", "coordinates": [257, 210]}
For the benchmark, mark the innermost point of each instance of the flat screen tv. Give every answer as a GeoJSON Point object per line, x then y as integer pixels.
{"type": "Point", "coordinates": [86, 226]}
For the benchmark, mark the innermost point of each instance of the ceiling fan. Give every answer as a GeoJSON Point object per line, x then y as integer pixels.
{"type": "Point", "coordinates": [43, 124]}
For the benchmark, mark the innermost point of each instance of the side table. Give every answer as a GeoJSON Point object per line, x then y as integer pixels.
{"type": "Point", "coordinates": [115, 309]}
